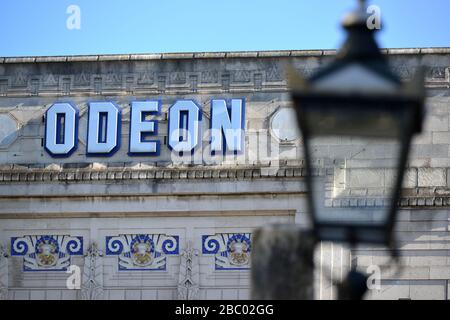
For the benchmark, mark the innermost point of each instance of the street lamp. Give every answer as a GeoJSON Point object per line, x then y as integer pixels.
{"type": "Point", "coordinates": [357, 120]}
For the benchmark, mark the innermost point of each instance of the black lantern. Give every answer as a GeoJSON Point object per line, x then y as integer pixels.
{"type": "Point", "coordinates": [357, 120]}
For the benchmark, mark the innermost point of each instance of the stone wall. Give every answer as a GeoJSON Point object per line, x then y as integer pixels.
{"type": "Point", "coordinates": [195, 206]}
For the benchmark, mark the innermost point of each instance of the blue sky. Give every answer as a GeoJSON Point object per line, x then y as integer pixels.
{"type": "Point", "coordinates": [38, 27]}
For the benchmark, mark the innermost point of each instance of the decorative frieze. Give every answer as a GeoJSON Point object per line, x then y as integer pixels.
{"type": "Point", "coordinates": [262, 72]}
{"type": "Point", "coordinates": [231, 250]}
{"type": "Point", "coordinates": [9, 174]}
{"type": "Point", "coordinates": [46, 252]}
{"type": "Point", "coordinates": [142, 251]}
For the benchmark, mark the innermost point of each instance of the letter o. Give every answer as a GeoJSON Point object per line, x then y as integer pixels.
{"type": "Point", "coordinates": [61, 129]}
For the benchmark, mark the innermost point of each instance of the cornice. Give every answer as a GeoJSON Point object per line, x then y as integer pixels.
{"type": "Point", "coordinates": [209, 55]}
{"type": "Point", "coordinates": [411, 197]}
{"type": "Point", "coordinates": [21, 174]}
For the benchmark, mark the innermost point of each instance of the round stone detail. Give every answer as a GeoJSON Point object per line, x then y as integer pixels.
{"type": "Point", "coordinates": [284, 125]}
{"type": "Point", "coordinates": [9, 130]}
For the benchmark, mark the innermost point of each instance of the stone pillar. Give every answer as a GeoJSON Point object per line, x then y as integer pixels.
{"type": "Point", "coordinates": [332, 261]}
{"type": "Point", "coordinates": [3, 274]}
{"type": "Point", "coordinates": [189, 277]}
{"type": "Point", "coordinates": [282, 263]}
{"type": "Point", "coordinates": [92, 287]}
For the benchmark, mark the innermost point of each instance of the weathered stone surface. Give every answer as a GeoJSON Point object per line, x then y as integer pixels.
{"type": "Point", "coordinates": [99, 197]}
{"type": "Point", "coordinates": [366, 178]}
{"type": "Point", "coordinates": [428, 177]}
{"type": "Point", "coordinates": [441, 138]}
{"type": "Point", "coordinates": [9, 130]}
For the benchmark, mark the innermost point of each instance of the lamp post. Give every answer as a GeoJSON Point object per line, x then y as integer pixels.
{"type": "Point", "coordinates": [357, 120]}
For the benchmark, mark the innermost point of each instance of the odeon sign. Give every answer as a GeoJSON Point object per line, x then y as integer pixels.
{"type": "Point", "coordinates": [227, 124]}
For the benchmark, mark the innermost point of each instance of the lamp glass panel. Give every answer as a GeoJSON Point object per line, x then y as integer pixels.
{"type": "Point", "coordinates": [353, 178]}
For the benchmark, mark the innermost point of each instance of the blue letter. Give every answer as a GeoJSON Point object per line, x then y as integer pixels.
{"type": "Point", "coordinates": [61, 129]}
{"type": "Point", "coordinates": [103, 129]}
{"type": "Point", "coordinates": [184, 122]}
{"type": "Point", "coordinates": [227, 125]}
{"type": "Point", "coordinates": [140, 127]}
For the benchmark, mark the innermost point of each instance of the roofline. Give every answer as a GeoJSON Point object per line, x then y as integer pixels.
{"type": "Point", "coordinates": [210, 55]}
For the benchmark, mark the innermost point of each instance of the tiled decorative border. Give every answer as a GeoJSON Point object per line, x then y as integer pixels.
{"type": "Point", "coordinates": [46, 252]}
{"type": "Point", "coordinates": [137, 252]}
{"type": "Point", "coordinates": [231, 250]}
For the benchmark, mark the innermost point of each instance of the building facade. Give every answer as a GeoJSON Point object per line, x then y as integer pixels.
{"type": "Point", "coordinates": [86, 223]}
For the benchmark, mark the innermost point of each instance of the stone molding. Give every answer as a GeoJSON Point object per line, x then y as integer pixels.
{"type": "Point", "coordinates": [20, 174]}
{"type": "Point", "coordinates": [418, 196]}
{"type": "Point", "coordinates": [210, 55]}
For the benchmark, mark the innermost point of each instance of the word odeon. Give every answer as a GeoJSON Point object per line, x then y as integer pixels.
{"type": "Point", "coordinates": [227, 123]}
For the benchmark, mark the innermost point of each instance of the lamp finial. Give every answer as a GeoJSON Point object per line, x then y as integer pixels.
{"type": "Point", "coordinates": [362, 4]}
